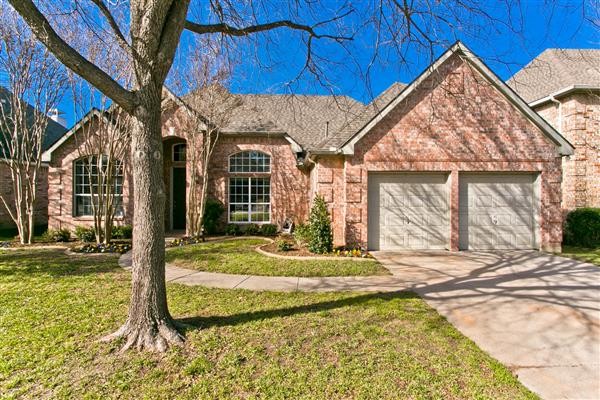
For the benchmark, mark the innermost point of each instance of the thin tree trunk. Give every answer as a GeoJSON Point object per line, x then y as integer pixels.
{"type": "Point", "coordinates": [149, 324]}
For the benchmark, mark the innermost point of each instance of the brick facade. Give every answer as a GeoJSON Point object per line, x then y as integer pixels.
{"type": "Point", "coordinates": [455, 122]}
{"type": "Point", "coordinates": [289, 184]}
{"type": "Point", "coordinates": [578, 119]}
{"type": "Point", "coordinates": [41, 202]}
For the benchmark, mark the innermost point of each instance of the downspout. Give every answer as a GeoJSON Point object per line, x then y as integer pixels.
{"type": "Point", "coordinates": [559, 127]}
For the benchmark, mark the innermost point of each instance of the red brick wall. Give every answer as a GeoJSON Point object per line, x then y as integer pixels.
{"type": "Point", "coordinates": [454, 122]}
{"type": "Point", "coordinates": [41, 202]}
{"type": "Point", "coordinates": [60, 188]}
{"type": "Point", "coordinates": [289, 185]}
{"type": "Point", "coordinates": [580, 124]}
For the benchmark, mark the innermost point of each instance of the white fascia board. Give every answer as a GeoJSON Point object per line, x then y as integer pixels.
{"type": "Point", "coordinates": [562, 92]}
{"type": "Point", "coordinates": [47, 155]}
{"type": "Point", "coordinates": [348, 147]}
{"type": "Point", "coordinates": [565, 147]}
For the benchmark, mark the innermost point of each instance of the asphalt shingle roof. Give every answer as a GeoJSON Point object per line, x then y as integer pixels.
{"type": "Point", "coordinates": [308, 119]}
{"type": "Point", "coordinates": [556, 69]}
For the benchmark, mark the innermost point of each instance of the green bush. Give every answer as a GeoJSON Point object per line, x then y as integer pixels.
{"type": "Point", "coordinates": [85, 234]}
{"type": "Point", "coordinates": [302, 234]}
{"type": "Point", "coordinates": [283, 245]}
{"type": "Point", "coordinates": [122, 232]}
{"type": "Point", "coordinates": [252, 230]}
{"type": "Point", "coordinates": [268, 230]}
{"type": "Point", "coordinates": [582, 227]}
{"type": "Point", "coordinates": [57, 235]}
{"type": "Point", "coordinates": [212, 214]}
{"type": "Point", "coordinates": [321, 234]}
{"type": "Point", "coordinates": [233, 230]}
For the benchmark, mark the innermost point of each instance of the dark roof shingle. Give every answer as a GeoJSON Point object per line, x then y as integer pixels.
{"type": "Point", "coordinates": [556, 69]}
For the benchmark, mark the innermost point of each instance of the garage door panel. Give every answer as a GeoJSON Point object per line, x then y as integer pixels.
{"type": "Point", "coordinates": [411, 211]}
{"type": "Point", "coordinates": [496, 211]}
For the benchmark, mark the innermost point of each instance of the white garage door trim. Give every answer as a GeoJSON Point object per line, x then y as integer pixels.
{"type": "Point", "coordinates": [408, 211]}
{"type": "Point", "coordinates": [498, 211]}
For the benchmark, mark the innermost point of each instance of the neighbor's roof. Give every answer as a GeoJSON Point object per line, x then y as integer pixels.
{"type": "Point", "coordinates": [556, 69]}
{"type": "Point", "coordinates": [54, 130]}
{"type": "Point", "coordinates": [305, 118]}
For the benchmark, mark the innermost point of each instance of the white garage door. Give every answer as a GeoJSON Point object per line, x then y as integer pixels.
{"type": "Point", "coordinates": [408, 211]}
{"type": "Point", "coordinates": [497, 212]}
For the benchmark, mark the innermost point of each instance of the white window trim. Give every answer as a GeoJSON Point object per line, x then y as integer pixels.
{"type": "Point", "coordinates": [173, 152]}
{"type": "Point", "coordinates": [249, 172]}
{"type": "Point", "coordinates": [249, 203]}
{"type": "Point", "coordinates": [74, 212]}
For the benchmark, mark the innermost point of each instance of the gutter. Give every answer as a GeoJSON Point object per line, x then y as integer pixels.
{"type": "Point", "coordinates": [562, 92]}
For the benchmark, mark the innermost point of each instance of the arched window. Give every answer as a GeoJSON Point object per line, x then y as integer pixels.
{"type": "Point", "coordinates": [179, 152]}
{"type": "Point", "coordinates": [89, 174]}
{"type": "Point", "coordinates": [250, 161]}
{"type": "Point", "coordinates": [249, 196]}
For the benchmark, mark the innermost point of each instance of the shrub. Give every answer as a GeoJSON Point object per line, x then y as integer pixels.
{"type": "Point", "coordinates": [283, 245]}
{"type": "Point", "coordinates": [232, 230]}
{"type": "Point", "coordinates": [122, 232]}
{"type": "Point", "coordinates": [302, 234]}
{"type": "Point", "coordinates": [321, 234]}
{"type": "Point", "coordinates": [252, 230]}
{"type": "Point", "coordinates": [212, 214]}
{"type": "Point", "coordinates": [57, 235]}
{"type": "Point", "coordinates": [85, 234]}
{"type": "Point", "coordinates": [582, 227]}
{"type": "Point", "coordinates": [268, 229]}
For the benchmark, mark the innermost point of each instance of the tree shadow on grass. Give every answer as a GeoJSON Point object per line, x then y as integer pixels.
{"type": "Point", "coordinates": [54, 262]}
{"type": "Point", "coordinates": [198, 322]}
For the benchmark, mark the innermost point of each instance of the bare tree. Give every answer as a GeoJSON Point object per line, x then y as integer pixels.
{"type": "Point", "coordinates": [211, 106]}
{"type": "Point", "coordinates": [151, 36]}
{"type": "Point", "coordinates": [103, 144]}
{"type": "Point", "coordinates": [35, 83]}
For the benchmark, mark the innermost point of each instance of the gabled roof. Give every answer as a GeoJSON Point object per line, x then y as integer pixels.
{"type": "Point", "coordinates": [565, 148]}
{"type": "Point", "coordinates": [557, 69]}
{"type": "Point", "coordinates": [54, 130]}
{"type": "Point", "coordinates": [94, 112]}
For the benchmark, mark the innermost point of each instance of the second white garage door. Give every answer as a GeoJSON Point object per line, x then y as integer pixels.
{"type": "Point", "coordinates": [408, 211]}
{"type": "Point", "coordinates": [497, 211]}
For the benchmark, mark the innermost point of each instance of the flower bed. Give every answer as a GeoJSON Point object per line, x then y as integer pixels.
{"type": "Point", "coordinates": [296, 249]}
{"type": "Point", "coordinates": [114, 247]}
{"type": "Point", "coordinates": [185, 241]}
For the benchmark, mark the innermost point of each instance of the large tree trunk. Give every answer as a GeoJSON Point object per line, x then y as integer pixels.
{"type": "Point", "coordinates": [149, 324]}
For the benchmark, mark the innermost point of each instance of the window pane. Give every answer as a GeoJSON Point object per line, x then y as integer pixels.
{"type": "Point", "coordinates": [250, 161]}
{"type": "Point", "coordinates": [89, 173]}
{"type": "Point", "coordinates": [238, 212]}
{"type": "Point", "coordinates": [179, 151]}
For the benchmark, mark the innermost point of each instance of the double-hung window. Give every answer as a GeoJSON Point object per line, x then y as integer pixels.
{"type": "Point", "coordinates": [91, 179]}
{"type": "Point", "coordinates": [249, 196]}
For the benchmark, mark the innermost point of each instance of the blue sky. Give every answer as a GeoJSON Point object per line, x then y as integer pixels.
{"type": "Point", "coordinates": [543, 26]}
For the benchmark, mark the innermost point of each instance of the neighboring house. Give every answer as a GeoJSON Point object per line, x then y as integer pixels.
{"type": "Point", "coordinates": [454, 160]}
{"type": "Point", "coordinates": [54, 131]}
{"type": "Point", "coordinates": [563, 86]}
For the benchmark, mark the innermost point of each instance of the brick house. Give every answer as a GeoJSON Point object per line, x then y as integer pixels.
{"type": "Point", "coordinates": [54, 130]}
{"type": "Point", "coordinates": [454, 160]}
{"type": "Point", "coordinates": [563, 86]}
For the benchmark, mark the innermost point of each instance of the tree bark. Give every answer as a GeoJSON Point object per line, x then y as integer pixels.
{"type": "Point", "coordinates": [149, 324]}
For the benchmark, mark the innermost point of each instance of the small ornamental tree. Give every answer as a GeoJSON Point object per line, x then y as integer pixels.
{"type": "Point", "coordinates": [319, 221]}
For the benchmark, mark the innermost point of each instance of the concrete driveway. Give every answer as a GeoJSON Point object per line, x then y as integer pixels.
{"type": "Point", "coordinates": [536, 313]}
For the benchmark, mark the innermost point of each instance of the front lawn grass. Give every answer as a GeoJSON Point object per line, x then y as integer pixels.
{"type": "Point", "coordinates": [582, 254]}
{"type": "Point", "coordinates": [240, 344]}
{"type": "Point", "coordinates": [239, 257]}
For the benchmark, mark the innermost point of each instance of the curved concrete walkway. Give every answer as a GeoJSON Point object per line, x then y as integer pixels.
{"type": "Point", "coordinates": [279, 283]}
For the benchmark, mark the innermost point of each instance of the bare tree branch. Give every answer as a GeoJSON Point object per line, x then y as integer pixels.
{"type": "Point", "coordinates": [42, 29]}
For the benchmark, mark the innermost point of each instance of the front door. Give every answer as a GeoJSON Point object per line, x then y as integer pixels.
{"type": "Point", "coordinates": [178, 203]}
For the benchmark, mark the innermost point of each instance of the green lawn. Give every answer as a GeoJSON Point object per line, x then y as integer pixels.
{"type": "Point", "coordinates": [582, 254]}
{"type": "Point", "coordinates": [241, 344]}
{"type": "Point", "coordinates": [239, 257]}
